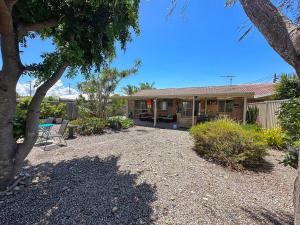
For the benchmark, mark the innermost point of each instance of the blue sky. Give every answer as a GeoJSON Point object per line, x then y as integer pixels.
{"type": "Point", "coordinates": [191, 50]}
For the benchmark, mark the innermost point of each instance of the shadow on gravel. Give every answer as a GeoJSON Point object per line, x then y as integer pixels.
{"type": "Point", "coordinates": [87, 190]}
{"type": "Point", "coordinates": [264, 216]}
{"type": "Point", "coordinates": [262, 167]}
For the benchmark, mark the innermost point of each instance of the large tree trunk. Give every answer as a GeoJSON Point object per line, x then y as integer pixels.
{"type": "Point", "coordinates": [284, 37]}
{"type": "Point", "coordinates": [8, 144]}
{"type": "Point", "coordinates": [297, 198]}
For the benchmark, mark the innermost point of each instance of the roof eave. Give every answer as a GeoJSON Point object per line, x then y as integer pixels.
{"type": "Point", "coordinates": [212, 95]}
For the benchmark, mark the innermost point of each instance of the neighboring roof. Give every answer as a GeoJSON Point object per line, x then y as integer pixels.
{"type": "Point", "coordinates": [250, 90]}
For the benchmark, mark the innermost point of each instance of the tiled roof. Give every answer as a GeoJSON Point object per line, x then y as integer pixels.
{"type": "Point", "coordinates": [257, 90]}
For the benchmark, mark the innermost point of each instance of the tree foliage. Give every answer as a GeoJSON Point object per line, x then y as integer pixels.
{"type": "Point", "coordinates": [84, 32]}
{"type": "Point", "coordinates": [287, 87]}
{"type": "Point", "coordinates": [132, 89]}
{"type": "Point", "coordinates": [101, 86]}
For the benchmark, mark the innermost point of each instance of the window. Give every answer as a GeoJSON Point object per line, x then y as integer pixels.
{"type": "Point", "coordinates": [187, 108]}
{"type": "Point", "coordinates": [211, 102]}
{"type": "Point", "coordinates": [225, 106]}
{"type": "Point", "coordinates": [140, 106]}
{"type": "Point", "coordinates": [163, 105]}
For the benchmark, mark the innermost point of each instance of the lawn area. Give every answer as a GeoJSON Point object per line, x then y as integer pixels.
{"type": "Point", "coordinates": [146, 176]}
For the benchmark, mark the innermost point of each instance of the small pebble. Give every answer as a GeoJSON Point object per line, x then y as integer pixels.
{"type": "Point", "coordinates": [114, 209]}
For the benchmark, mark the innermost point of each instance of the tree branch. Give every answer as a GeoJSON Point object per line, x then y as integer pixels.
{"type": "Point", "coordinates": [281, 33]}
{"type": "Point", "coordinates": [33, 113]}
{"type": "Point", "coordinates": [23, 29]}
{"type": "Point", "coordinates": [6, 24]}
{"type": "Point", "coordinates": [10, 4]}
{"type": "Point", "coordinates": [11, 62]}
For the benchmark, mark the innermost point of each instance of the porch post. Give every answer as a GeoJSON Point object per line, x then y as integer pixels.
{"type": "Point", "coordinates": [205, 106]}
{"type": "Point", "coordinates": [155, 112]}
{"type": "Point", "coordinates": [193, 112]}
{"type": "Point", "coordinates": [245, 110]}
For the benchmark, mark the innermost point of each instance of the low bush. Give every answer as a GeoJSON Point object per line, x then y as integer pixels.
{"type": "Point", "coordinates": [289, 118]}
{"type": "Point", "coordinates": [275, 138]}
{"type": "Point", "coordinates": [90, 126]}
{"type": "Point", "coordinates": [51, 110]}
{"type": "Point", "coordinates": [228, 143]}
{"type": "Point", "coordinates": [118, 122]}
{"type": "Point", "coordinates": [292, 155]}
{"type": "Point", "coordinates": [253, 127]}
{"type": "Point", "coordinates": [19, 122]}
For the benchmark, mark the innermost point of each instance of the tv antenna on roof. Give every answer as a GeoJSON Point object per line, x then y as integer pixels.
{"type": "Point", "coordinates": [230, 77]}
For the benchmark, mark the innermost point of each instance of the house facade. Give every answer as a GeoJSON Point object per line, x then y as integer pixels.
{"type": "Point", "coordinates": [188, 106]}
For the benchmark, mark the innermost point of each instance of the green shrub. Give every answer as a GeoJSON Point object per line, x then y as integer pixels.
{"type": "Point", "coordinates": [275, 138]}
{"type": "Point", "coordinates": [90, 126]}
{"type": "Point", "coordinates": [251, 115]}
{"type": "Point", "coordinates": [287, 87]}
{"type": "Point", "coordinates": [228, 143]}
{"type": "Point", "coordinates": [51, 110]}
{"type": "Point", "coordinates": [118, 122]}
{"type": "Point", "coordinates": [289, 118]}
{"type": "Point", "coordinates": [252, 127]}
{"type": "Point", "coordinates": [291, 157]}
{"type": "Point", "coordinates": [19, 123]}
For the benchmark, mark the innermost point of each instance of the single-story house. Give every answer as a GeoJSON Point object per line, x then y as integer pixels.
{"type": "Point", "coordinates": [188, 106]}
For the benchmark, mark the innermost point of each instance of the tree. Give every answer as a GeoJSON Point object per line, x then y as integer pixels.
{"type": "Point", "coordinates": [287, 87]}
{"type": "Point", "coordinates": [102, 85]}
{"type": "Point", "coordinates": [146, 85]}
{"type": "Point", "coordinates": [84, 34]}
{"type": "Point", "coordinates": [130, 89]}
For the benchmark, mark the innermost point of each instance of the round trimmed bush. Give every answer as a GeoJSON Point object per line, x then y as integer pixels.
{"type": "Point", "coordinates": [90, 125]}
{"type": "Point", "coordinates": [227, 142]}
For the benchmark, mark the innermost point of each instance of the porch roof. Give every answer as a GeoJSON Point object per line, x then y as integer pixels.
{"type": "Point", "coordinates": [245, 90]}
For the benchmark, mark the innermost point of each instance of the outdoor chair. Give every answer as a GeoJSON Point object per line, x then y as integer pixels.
{"type": "Point", "coordinates": [45, 134]}
{"type": "Point", "coordinates": [49, 120]}
{"type": "Point", "coordinates": [60, 133]}
{"type": "Point", "coordinates": [168, 118]}
{"type": "Point", "coordinates": [58, 120]}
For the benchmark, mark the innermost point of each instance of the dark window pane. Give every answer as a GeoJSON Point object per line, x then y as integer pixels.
{"type": "Point", "coordinates": [163, 105]}
{"type": "Point", "coordinates": [229, 106]}
{"type": "Point", "coordinates": [221, 106]}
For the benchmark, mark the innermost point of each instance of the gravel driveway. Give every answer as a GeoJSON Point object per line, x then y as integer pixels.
{"type": "Point", "coordinates": [146, 176]}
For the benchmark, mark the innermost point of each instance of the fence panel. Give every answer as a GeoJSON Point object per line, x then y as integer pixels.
{"type": "Point", "coordinates": [267, 114]}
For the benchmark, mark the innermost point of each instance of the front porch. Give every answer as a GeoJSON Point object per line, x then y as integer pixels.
{"type": "Point", "coordinates": [184, 112]}
{"type": "Point", "coordinates": [162, 125]}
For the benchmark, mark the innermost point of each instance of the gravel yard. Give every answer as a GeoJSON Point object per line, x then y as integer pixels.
{"type": "Point", "coordinates": [145, 176]}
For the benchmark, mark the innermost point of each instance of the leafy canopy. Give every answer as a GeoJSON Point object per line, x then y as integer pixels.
{"type": "Point", "coordinates": [83, 31]}
{"type": "Point", "coordinates": [287, 87]}
{"type": "Point", "coordinates": [101, 86]}
{"type": "Point", "coordinates": [132, 89]}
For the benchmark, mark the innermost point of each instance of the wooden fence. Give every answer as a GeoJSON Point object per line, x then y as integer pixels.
{"type": "Point", "coordinates": [71, 109]}
{"type": "Point", "coordinates": [267, 115]}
